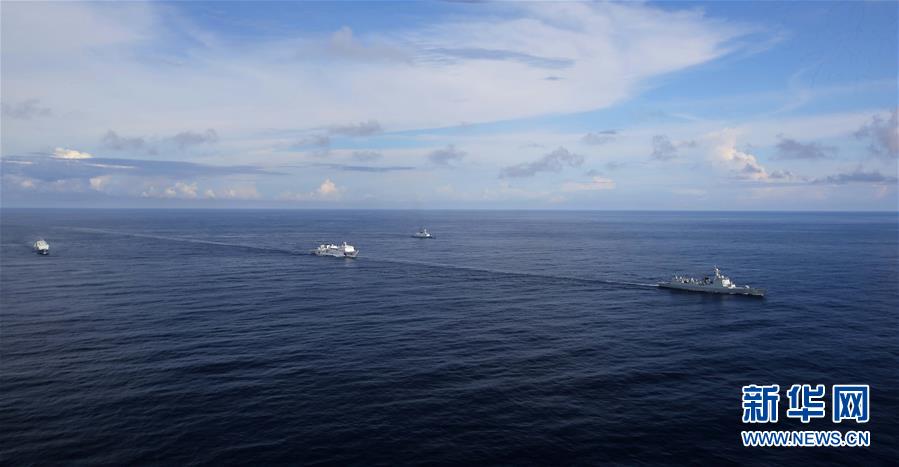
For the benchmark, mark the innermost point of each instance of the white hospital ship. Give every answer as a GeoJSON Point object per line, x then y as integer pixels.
{"type": "Point", "coordinates": [339, 251]}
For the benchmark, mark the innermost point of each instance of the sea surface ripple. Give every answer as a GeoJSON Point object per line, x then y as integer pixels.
{"type": "Point", "coordinates": [210, 337]}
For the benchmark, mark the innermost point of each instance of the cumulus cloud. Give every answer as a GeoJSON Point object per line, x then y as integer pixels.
{"type": "Point", "coordinates": [327, 191]}
{"type": "Point", "coordinates": [62, 153]}
{"type": "Point", "coordinates": [882, 135]}
{"type": "Point", "coordinates": [552, 162]}
{"type": "Point", "coordinates": [240, 192]}
{"type": "Point", "coordinates": [25, 110]}
{"type": "Point", "coordinates": [124, 185]}
{"type": "Point", "coordinates": [192, 138]}
{"type": "Point", "coordinates": [447, 156]}
{"type": "Point", "coordinates": [596, 183]}
{"type": "Point", "coordinates": [62, 186]}
{"type": "Point", "coordinates": [192, 190]}
{"type": "Point", "coordinates": [789, 148]}
{"type": "Point", "coordinates": [742, 164]}
{"type": "Point", "coordinates": [664, 149]}
{"type": "Point", "coordinates": [599, 137]}
{"type": "Point", "coordinates": [112, 140]}
{"type": "Point", "coordinates": [327, 188]}
{"type": "Point", "coordinates": [99, 183]}
{"type": "Point", "coordinates": [180, 190]}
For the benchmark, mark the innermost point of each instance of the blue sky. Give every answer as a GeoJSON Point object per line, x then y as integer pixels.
{"type": "Point", "coordinates": [671, 105]}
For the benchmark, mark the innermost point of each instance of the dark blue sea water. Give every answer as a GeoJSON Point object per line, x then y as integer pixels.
{"type": "Point", "coordinates": [213, 337]}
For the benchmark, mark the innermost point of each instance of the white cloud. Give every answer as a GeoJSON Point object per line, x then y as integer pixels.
{"type": "Point", "coordinates": [244, 192]}
{"type": "Point", "coordinates": [239, 192]}
{"type": "Point", "coordinates": [328, 188]}
{"type": "Point", "coordinates": [60, 153]}
{"type": "Point", "coordinates": [180, 190]}
{"type": "Point", "coordinates": [62, 29]}
{"type": "Point", "coordinates": [327, 191]}
{"type": "Point", "coordinates": [725, 154]}
{"type": "Point", "coordinates": [259, 96]}
{"type": "Point", "coordinates": [604, 52]}
{"type": "Point", "coordinates": [99, 182]}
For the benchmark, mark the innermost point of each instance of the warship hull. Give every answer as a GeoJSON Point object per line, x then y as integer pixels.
{"type": "Point", "coordinates": [713, 289]}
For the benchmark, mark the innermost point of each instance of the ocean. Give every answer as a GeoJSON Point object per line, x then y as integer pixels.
{"type": "Point", "coordinates": [213, 337]}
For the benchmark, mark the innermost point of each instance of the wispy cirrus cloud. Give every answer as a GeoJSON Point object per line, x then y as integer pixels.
{"type": "Point", "coordinates": [593, 43]}
{"type": "Point", "coordinates": [480, 53]}
{"type": "Point", "coordinates": [71, 164]}
{"type": "Point", "coordinates": [485, 78]}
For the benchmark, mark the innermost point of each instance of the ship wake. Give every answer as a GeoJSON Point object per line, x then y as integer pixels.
{"type": "Point", "coordinates": [428, 264]}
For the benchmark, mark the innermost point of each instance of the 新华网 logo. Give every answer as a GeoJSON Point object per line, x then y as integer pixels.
{"type": "Point", "coordinates": [807, 402]}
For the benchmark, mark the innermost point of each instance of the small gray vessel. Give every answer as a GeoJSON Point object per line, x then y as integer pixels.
{"type": "Point", "coordinates": [719, 284]}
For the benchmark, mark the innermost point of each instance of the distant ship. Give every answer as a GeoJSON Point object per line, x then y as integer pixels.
{"type": "Point", "coordinates": [42, 247]}
{"type": "Point", "coordinates": [423, 233]}
{"type": "Point", "coordinates": [719, 284]}
{"type": "Point", "coordinates": [339, 251]}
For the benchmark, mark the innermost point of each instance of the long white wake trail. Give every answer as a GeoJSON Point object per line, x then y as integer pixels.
{"type": "Point", "coordinates": [510, 273]}
{"type": "Point", "coordinates": [365, 258]}
{"type": "Point", "coordinates": [182, 239]}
